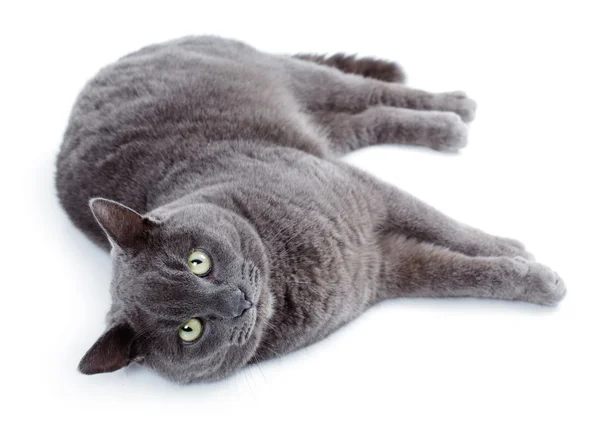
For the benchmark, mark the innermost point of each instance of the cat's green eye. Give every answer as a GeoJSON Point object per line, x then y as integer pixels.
{"type": "Point", "coordinates": [190, 330]}
{"type": "Point", "coordinates": [199, 262]}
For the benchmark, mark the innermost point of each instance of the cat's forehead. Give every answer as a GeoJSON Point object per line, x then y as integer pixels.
{"type": "Point", "coordinates": [194, 216]}
{"type": "Point", "coordinates": [192, 228]}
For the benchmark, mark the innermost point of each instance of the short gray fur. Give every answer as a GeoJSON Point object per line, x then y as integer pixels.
{"type": "Point", "coordinates": [208, 143]}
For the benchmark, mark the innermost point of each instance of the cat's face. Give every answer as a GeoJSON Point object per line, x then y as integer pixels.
{"type": "Point", "coordinates": [188, 291]}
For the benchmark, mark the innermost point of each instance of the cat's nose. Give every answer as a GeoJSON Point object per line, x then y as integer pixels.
{"type": "Point", "coordinates": [228, 304]}
{"type": "Point", "coordinates": [243, 304]}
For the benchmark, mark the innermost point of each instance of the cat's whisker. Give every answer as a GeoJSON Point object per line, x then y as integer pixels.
{"type": "Point", "coordinates": [257, 353]}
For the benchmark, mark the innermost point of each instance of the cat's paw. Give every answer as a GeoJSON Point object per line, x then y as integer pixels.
{"type": "Point", "coordinates": [539, 284]}
{"type": "Point", "coordinates": [457, 102]}
{"type": "Point", "coordinates": [446, 132]}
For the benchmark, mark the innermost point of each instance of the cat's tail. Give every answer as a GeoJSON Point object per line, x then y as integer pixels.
{"type": "Point", "coordinates": [374, 68]}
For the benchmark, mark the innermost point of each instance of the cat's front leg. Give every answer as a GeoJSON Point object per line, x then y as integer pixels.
{"type": "Point", "coordinates": [415, 269]}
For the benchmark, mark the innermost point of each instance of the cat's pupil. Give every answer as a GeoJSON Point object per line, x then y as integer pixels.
{"type": "Point", "coordinates": [196, 262]}
{"type": "Point", "coordinates": [187, 328]}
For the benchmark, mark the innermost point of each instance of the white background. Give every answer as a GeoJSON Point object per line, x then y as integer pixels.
{"type": "Point", "coordinates": [529, 172]}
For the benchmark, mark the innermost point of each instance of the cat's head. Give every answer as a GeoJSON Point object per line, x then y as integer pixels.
{"type": "Point", "coordinates": [189, 293]}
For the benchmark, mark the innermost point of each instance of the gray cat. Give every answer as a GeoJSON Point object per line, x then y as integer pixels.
{"type": "Point", "coordinates": [235, 232]}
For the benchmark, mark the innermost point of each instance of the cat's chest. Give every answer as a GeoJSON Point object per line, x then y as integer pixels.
{"type": "Point", "coordinates": [313, 219]}
{"type": "Point", "coordinates": [322, 251]}
{"type": "Point", "coordinates": [304, 206]}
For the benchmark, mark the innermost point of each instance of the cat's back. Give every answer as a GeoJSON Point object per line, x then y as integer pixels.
{"type": "Point", "coordinates": [142, 116]}
{"type": "Point", "coordinates": [164, 84]}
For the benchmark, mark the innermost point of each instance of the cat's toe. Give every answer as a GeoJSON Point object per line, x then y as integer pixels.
{"type": "Point", "coordinates": [457, 102]}
{"type": "Point", "coordinates": [543, 286]}
{"type": "Point", "coordinates": [447, 132]}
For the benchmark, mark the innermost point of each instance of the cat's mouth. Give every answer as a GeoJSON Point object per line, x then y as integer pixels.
{"type": "Point", "coordinates": [249, 287]}
{"type": "Point", "coordinates": [247, 305]}
{"type": "Point", "coordinates": [244, 324]}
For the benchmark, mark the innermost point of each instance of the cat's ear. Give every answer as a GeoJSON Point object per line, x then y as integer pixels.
{"type": "Point", "coordinates": [123, 226]}
{"type": "Point", "coordinates": [113, 350]}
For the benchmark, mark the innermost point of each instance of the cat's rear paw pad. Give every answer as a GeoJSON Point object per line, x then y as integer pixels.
{"type": "Point", "coordinates": [543, 286]}
{"type": "Point", "coordinates": [456, 102]}
{"type": "Point", "coordinates": [446, 132]}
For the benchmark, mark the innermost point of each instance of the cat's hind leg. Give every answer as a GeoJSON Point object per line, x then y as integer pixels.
{"type": "Point", "coordinates": [383, 124]}
{"type": "Point", "coordinates": [373, 68]}
{"type": "Point", "coordinates": [416, 269]}
{"type": "Point", "coordinates": [323, 89]}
